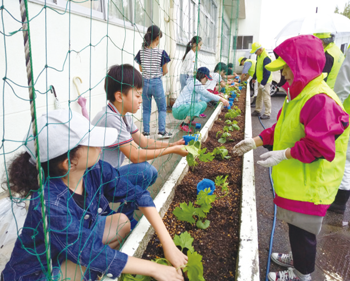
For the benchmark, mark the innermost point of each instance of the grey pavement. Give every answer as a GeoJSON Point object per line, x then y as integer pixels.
{"type": "Point", "coordinates": [333, 251]}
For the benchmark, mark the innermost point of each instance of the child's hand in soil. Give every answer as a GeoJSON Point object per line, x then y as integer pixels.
{"type": "Point", "coordinates": [167, 273]}
{"type": "Point", "coordinates": [178, 150]}
{"type": "Point", "coordinates": [177, 258]}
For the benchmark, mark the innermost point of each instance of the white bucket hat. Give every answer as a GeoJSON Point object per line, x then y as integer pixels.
{"type": "Point", "coordinates": [62, 130]}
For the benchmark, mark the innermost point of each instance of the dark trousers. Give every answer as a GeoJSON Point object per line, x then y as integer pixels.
{"type": "Point", "coordinates": [303, 245]}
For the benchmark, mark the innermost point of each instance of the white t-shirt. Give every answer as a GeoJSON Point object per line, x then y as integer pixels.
{"type": "Point", "coordinates": [187, 66]}
{"type": "Point", "coordinates": [211, 84]}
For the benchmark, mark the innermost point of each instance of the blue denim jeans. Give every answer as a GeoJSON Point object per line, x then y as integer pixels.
{"type": "Point", "coordinates": [141, 174]}
{"type": "Point", "coordinates": [153, 88]}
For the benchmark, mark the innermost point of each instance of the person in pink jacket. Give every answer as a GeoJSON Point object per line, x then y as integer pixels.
{"type": "Point", "coordinates": [307, 143]}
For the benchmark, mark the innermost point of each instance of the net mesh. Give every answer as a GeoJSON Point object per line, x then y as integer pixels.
{"type": "Point", "coordinates": [69, 47]}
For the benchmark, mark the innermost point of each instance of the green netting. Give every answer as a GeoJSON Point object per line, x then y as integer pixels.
{"type": "Point", "coordinates": [69, 47]}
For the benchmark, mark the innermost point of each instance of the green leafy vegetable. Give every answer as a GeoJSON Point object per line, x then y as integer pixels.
{"type": "Point", "coordinates": [184, 240]}
{"type": "Point", "coordinates": [185, 212]}
{"type": "Point", "coordinates": [203, 225]}
{"type": "Point", "coordinates": [205, 200]}
{"type": "Point", "coordinates": [194, 267]}
{"type": "Point", "coordinates": [221, 182]}
{"type": "Point", "coordinates": [195, 152]}
{"type": "Point", "coordinates": [221, 153]}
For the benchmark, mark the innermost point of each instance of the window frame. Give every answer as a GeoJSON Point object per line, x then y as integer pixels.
{"type": "Point", "coordinates": [76, 9]}
{"type": "Point", "coordinates": [243, 36]}
{"type": "Point", "coordinates": [209, 16]}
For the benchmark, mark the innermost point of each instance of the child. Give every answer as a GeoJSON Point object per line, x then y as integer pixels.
{"type": "Point", "coordinates": [123, 86]}
{"type": "Point", "coordinates": [189, 59]}
{"type": "Point", "coordinates": [309, 144]}
{"type": "Point", "coordinates": [78, 188]}
{"type": "Point", "coordinates": [217, 81]}
{"type": "Point", "coordinates": [190, 104]}
{"type": "Point", "coordinates": [153, 65]}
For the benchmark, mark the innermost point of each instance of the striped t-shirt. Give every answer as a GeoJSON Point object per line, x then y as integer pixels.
{"type": "Point", "coordinates": [152, 61]}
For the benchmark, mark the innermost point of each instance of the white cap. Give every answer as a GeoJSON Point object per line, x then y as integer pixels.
{"type": "Point", "coordinates": [62, 130]}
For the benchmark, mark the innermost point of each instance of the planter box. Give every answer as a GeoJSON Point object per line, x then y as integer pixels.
{"type": "Point", "coordinates": [248, 256]}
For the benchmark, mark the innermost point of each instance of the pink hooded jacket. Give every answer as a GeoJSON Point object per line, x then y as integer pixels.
{"type": "Point", "coordinates": [322, 117]}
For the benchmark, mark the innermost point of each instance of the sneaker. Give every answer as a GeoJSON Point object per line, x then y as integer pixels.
{"type": "Point", "coordinates": [256, 113]}
{"type": "Point", "coordinates": [287, 275]}
{"type": "Point", "coordinates": [285, 260]}
{"type": "Point", "coordinates": [185, 127]}
{"type": "Point", "coordinates": [164, 135]}
{"type": "Point", "coordinates": [264, 116]}
{"type": "Point", "coordinates": [202, 115]}
{"type": "Point", "coordinates": [146, 134]}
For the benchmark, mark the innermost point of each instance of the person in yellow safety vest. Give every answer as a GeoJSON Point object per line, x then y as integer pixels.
{"type": "Point", "coordinates": [248, 68]}
{"type": "Point", "coordinates": [308, 144]}
{"type": "Point", "coordinates": [247, 72]}
{"type": "Point", "coordinates": [334, 57]}
{"type": "Point", "coordinates": [264, 78]}
{"type": "Point", "coordinates": [342, 89]}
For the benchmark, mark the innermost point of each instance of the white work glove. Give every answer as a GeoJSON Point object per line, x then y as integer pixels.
{"type": "Point", "coordinates": [261, 87]}
{"type": "Point", "coordinates": [243, 146]}
{"type": "Point", "coordinates": [272, 158]}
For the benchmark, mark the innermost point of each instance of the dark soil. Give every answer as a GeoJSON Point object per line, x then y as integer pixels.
{"type": "Point", "coordinates": [219, 243]}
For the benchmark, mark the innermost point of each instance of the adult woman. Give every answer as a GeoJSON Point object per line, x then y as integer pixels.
{"type": "Point", "coordinates": [308, 144]}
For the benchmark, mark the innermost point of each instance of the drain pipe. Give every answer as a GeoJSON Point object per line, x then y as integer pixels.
{"type": "Point", "coordinates": [274, 219]}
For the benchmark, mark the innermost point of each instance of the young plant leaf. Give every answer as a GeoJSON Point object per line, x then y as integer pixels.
{"type": "Point", "coordinates": [228, 122]}
{"type": "Point", "coordinates": [236, 127]}
{"type": "Point", "coordinates": [194, 267]}
{"type": "Point", "coordinates": [203, 225]}
{"type": "Point", "coordinates": [205, 157]}
{"type": "Point", "coordinates": [205, 200]}
{"type": "Point", "coordinates": [184, 240]}
{"type": "Point", "coordinates": [185, 212]}
{"type": "Point", "coordinates": [222, 140]}
{"type": "Point", "coordinates": [191, 160]}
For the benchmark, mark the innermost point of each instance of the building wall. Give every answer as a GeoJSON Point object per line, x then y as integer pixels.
{"type": "Point", "coordinates": [70, 45]}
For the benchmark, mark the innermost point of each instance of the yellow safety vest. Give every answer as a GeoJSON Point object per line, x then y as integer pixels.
{"type": "Point", "coordinates": [252, 68]}
{"type": "Point", "coordinates": [260, 67]}
{"type": "Point", "coordinates": [338, 57]}
{"type": "Point", "coordinates": [316, 182]}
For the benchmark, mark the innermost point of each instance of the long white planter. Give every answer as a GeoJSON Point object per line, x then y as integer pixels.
{"type": "Point", "coordinates": [248, 258]}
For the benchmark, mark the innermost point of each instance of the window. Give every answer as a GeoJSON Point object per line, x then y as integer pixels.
{"type": "Point", "coordinates": [187, 14]}
{"type": "Point", "coordinates": [225, 40]}
{"type": "Point", "coordinates": [143, 15]}
{"type": "Point", "coordinates": [125, 12]}
{"type": "Point", "coordinates": [243, 42]}
{"type": "Point", "coordinates": [83, 7]}
{"type": "Point", "coordinates": [131, 11]}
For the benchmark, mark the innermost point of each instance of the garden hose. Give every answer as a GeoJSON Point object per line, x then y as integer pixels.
{"type": "Point", "coordinates": [274, 219]}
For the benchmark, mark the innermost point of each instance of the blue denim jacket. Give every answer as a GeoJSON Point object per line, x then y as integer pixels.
{"type": "Point", "coordinates": [75, 234]}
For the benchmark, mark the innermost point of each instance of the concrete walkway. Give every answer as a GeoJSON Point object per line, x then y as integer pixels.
{"type": "Point", "coordinates": [333, 251]}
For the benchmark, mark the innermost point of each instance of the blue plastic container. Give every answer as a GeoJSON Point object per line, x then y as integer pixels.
{"type": "Point", "coordinates": [231, 99]}
{"type": "Point", "coordinates": [206, 183]}
{"type": "Point", "coordinates": [187, 139]}
{"type": "Point", "coordinates": [240, 87]}
{"type": "Point", "coordinates": [198, 126]}
{"type": "Point", "coordinates": [233, 96]}
{"type": "Point", "coordinates": [237, 77]}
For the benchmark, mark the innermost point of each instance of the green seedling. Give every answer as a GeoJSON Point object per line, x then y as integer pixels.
{"type": "Point", "coordinates": [221, 153]}
{"type": "Point", "coordinates": [221, 182]}
{"type": "Point", "coordinates": [233, 113]}
{"type": "Point", "coordinates": [184, 240]}
{"type": "Point", "coordinates": [203, 225]}
{"type": "Point", "coordinates": [195, 152]}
